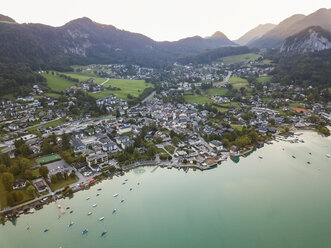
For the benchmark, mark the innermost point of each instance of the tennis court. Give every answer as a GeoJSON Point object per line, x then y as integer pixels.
{"type": "Point", "coordinates": [48, 159]}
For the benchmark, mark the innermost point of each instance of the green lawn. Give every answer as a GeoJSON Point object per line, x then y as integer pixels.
{"type": "Point", "coordinates": [241, 58]}
{"type": "Point", "coordinates": [49, 124]}
{"type": "Point", "coordinates": [62, 183]}
{"type": "Point", "coordinates": [3, 196]}
{"type": "Point", "coordinates": [197, 99]}
{"type": "Point", "coordinates": [57, 83]}
{"type": "Point", "coordinates": [217, 91]}
{"type": "Point", "coordinates": [127, 86]}
{"type": "Point", "coordinates": [54, 95]}
{"type": "Point", "coordinates": [264, 79]}
{"type": "Point", "coordinates": [237, 80]}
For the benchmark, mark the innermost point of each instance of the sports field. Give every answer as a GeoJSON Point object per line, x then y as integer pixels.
{"type": "Point", "coordinates": [48, 159]}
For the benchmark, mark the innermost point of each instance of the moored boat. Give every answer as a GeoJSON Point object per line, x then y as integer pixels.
{"type": "Point", "coordinates": [102, 218]}
{"type": "Point", "coordinates": [115, 195]}
{"type": "Point", "coordinates": [114, 210]}
{"type": "Point", "coordinates": [84, 231]}
{"type": "Point", "coordinates": [89, 213]}
{"type": "Point", "coordinates": [103, 233]}
{"type": "Point", "coordinates": [94, 205]}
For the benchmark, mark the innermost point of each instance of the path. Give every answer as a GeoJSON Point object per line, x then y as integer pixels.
{"type": "Point", "coordinates": [107, 79]}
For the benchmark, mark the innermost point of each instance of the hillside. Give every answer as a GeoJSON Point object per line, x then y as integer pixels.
{"type": "Point", "coordinates": [4, 18]}
{"type": "Point", "coordinates": [255, 33]}
{"type": "Point", "coordinates": [311, 39]}
{"type": "Point", "coordinates": [292, 25]}
{"type": "Point", "coordinates": [83, 41]}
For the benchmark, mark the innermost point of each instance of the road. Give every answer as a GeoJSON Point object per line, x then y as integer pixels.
{"type": "Point", "coordinates": [107, 79]}
{"type": "Point", "coordinates": [225, 80]}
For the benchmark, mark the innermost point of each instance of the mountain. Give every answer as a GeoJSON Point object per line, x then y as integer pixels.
{"type": "Point", "coordinates": [292, 25]}
{"type": "Point", "coordinates": [312, 39]}
{"type": "Point", "coordinates": [4, 18]}
{"type": "Point", "coordinates": [255, 33]}
{"type": "Point", "coordinates": [83, 41]}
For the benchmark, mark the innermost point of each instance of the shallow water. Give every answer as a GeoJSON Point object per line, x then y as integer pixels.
{"type": "Point", "coordinates": [277, 201]}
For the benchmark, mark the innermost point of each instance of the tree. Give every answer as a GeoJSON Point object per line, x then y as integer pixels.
{"type": "Point", "coordinates": [14, 196]}
{"type": "Point", "coordinates": [72, 174]}
{"type": "Point", "coordinates": [43, 171]}
{"type": "Point", "coordinates": [24, 164]}
{"type": "Point", "coordinates": [272, 121]}
{"type": "Point", "coordinates": [158, 140]}
{"type": "Point", "coordinates": [8, 180]}
{"type": "Point", "coordinates": [28, 174]}
{"type": "Point", "coordinates": [65, 142]}
{"type": "Point", "coordinates": [53, 178]}
{"type": "Point", "coordinates": [3, 168]}
{"type": "Point", "coordinates": [31, 190]}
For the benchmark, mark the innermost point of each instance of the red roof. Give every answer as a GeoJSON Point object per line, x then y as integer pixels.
{"type": "Point", "coordinates": [300, 110]}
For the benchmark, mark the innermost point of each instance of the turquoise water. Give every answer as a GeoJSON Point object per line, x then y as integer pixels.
{"type": "Point", "coordinates": [277, 201]}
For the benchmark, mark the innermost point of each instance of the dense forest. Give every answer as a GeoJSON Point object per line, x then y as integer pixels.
{"type": "Point", "coordinates": [307, 69]}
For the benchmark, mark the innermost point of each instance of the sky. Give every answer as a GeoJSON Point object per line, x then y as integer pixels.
{"type": "Point", "coordinates": [163, 19]}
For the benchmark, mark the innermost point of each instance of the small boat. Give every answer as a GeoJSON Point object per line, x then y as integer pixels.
{"type": "Point", "coordinates": [114, 210]}
{"type": "Point", "coordinates": [293, 156]}
{"type": "Point", "coordinates": [28, 227]}
{"type": "Point", "coordinates": [94, 205]}
{"type": "Point", "coordinates": [124, 183]}
{"type": "Point", "coordinates": [260, 157]}
{"type": "Point", "coordinates": [89, 213]}
{"type": "Point", "coordinates": [122, 201]}
{"type": "Point", "coordinates": [130, 189]}
{"type": "Point", "coordinates": [84, 231]}
{"type": "Point", "coordinates": [310, 153]}
{"type": "Point", "coordinates": [59, 206]}
{"type": "Point", "coordinates": [102, 218]}
{"type": "Point", "coordinates": [308, 162]}
{"type": "Point", "coordinates": [99, 189]}
{"type": "Point", "coordinates": [328, 155]}
{"type": "Point", "coordinates": [68, 208]}
{"type": "Point", "coordinates": [126, 180]}
{"type": "Point", "coordinates": [45, 230]}
{"type": "Point", "coordinates": [71, 211]}
{"type": "Point", "coordinates": [98, 194]}
{"type": "Point", "coordinates": [115, 195]}
{"type": "Point", "coordinates": [138, 183]}
{"type": "Point", "coordinates": [103, 233]}
{"type": "Point", "coordinates": [88, 198]}
{"type": "Point", "coordinates": [70, 224]}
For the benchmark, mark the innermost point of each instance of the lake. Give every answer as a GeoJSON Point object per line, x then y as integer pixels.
{"type": "Point", "coordinates": [277, 201]}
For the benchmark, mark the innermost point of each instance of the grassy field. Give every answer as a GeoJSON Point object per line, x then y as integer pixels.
{"type": "Point", "coordinates": [237, 80]}
{"type": "Point", "coordinates": [48, 159]}
{"type": "Point", "coordinates": [197, 99]}
{"type": "Point", "coordinates": [241, 58]}
{"type": "Point", "coordinates": [217, 91]}
{"type": "Point", "coordinates": [3, 196]}
{"type": "Point", "coordinates": [54, 95]}
{"type": "Point", "coordinates": [57, 83]}
{"type": "Point", "coordinates": [264, 79]}
{"type": "Point", "coordinates": [133, 87]}
{"type": "Point", "coordinates": [83, 78]}
{"type": "Point", "coordinates": [49, 124]}
{"type": "Point", "coordinates": [62, 183]}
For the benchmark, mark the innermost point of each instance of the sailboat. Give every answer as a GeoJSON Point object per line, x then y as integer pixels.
{"type": "Point", "coordinates": [102, 218]}
{"type": "Point", "coordinates": [84, 231]}
{"type": "Point", "coordinates": [70, 224]}
{"type": "Point", "coordinates": [103, 233]}
{"type": "Point", "coordinates": [114, 210]}
{"type": "Point", "coordinates": [115, 195]}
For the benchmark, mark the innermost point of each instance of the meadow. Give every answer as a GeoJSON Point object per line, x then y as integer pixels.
{"type": "Point", "coordinates": [197, 99]}
{"type": "Point", "coordinates": [241, 58]}
{"type": "Point", "coordinates": [57, 83]}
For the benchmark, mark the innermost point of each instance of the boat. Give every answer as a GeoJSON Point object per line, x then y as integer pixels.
{"type": "Point", "coordinates": [71, 211]}
{"type": "Point", "coordinates": [328, 155]}
{"type": "Point", "coordinates": [310, 153]}
{"type": "Point", "coordinates": [138, 183]}
{"type": "Point", "coordinates": [59, 206]}
{"type": "Point", "coordinates": [114, 210]}
{"type": "Point", "coordinates": [98, 194]}
{"type": "Point", "coordinates": [126, 180]}
{"type": "Point", "coordinates": [84, 231]}
{"type": "Point", "coordinates": [68, 208]}
{"type": "Point", "coordinates": [70, 224]}
{"type": "Point", "coordinates": [46, 230]}
{"type": "Point", "coordinates": [130, 189]}
{"type": "Point", "coordinates": [122, 201]}
{"type": "Point", "coordinates": [99, 189]}
{"type": "Point", "coordinates": [102, 218]}
{"type": "Point", "coordinates": [94, 205]}
{"type": "Point", "coordinates": [308, 162]}
{"type": "Point", "coordinates": [260, 157]}
{"type": "Point", "coordinates": [124, 183]}
{"type": "Point", "coordinates": [88, 198]}
{"type": "Point", "coordinates": [28, 227]}
{"type": "Point", "coordinates": [293, 156]}
{"type": "Point", "coordinates": [103, 233]}
{"type": "Point", "coordinates": [89, 213]}
{"type": "Point", "coordinates": [115, 195]}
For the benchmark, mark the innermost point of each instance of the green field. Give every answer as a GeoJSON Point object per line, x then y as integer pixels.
{"type": "Point", "coordinates": [217, 91]}
{"type": "Point", "coordinates": [127, 86]}
{"type": "Point", "coordinates": [48, 159]}
{"type": "Point", "coordinates": [264, 79]}
{"type": "Point", "coordinates": [83, 78]}
{"type": "Point", "coordinates": [237, 80]}
{"type": "Point", "coordinates": [241, 58]}
{"type": "Point", "coordinates": [54, 95]}
{"type": "Point", "coordinates": [57, 83]}
{"type": "Point", "coordinates": [197, 99]}
{"type": "Point", "coordinates": [3, 195]}
{"type": "Point", "coordinates": [62, 183]}
{"type": "Point", "coordinates": [48, 124]}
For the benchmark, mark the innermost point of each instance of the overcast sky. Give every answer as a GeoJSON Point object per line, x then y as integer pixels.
{"type": "Point", "coordinates": [163, 19]}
